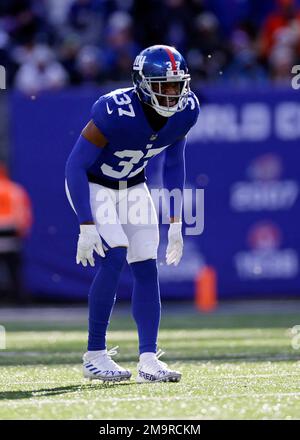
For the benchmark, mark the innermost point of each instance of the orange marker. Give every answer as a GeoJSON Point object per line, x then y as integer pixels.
{"type": "Point", "coordinates": [206, 289]}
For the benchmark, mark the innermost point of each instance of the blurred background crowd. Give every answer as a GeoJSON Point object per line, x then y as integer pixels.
{"type": "Point", "coordinates": [51, 44]}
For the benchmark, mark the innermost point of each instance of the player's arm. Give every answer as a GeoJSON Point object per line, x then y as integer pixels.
{"type": "Point", "coordinates": [174, 178]}
{"type": "Point", "coordinates": [86, 151]}
{"type": "Point", "coordinates": [94, 135]}
{"type": "Point", "coordinates": [174, 174]}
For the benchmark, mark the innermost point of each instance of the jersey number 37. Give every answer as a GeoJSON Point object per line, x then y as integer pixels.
{"type": "Point", "coordinates": [124, 100]}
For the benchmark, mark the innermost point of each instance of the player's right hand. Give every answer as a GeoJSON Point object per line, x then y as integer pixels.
{"type": "Point", "coordinates": [89, 241]}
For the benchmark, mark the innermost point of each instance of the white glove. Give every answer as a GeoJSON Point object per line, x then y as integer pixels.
{"type": "Point", "coordinates": [175, 244]}
{"type": "Point", "coordinates": [89, 241]}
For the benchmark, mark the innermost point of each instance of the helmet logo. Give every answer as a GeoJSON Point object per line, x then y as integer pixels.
{"type": "Point", "coordinates": [139, 62]}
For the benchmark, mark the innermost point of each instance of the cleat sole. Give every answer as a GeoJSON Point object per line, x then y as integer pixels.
{"type": "Point", "coordinates": [107, 379]}
{"type": "Point", "coordinates": [164, 379]}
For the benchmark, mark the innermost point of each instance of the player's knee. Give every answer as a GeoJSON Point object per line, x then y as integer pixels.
{"type": "Point", "coordinates": [145, 251]}
{"type": "Point", "coordinates": [116, 257]}
{"type": "Point", "coordinates": [143, 245]}
{"type": "Point", "coordinates": [145, 270]}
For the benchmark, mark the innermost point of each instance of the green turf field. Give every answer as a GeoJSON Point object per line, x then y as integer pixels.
{"type": "Point", "coordinates": [239, 366]}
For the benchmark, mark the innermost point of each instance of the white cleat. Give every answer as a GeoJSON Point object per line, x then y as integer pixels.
{"type": "Point", "coordinates": [155, 370]}
{"type": "Point", "coordinates": [102, 367]}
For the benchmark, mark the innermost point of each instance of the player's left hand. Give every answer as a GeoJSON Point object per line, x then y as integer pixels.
{"type": "Point", "coordinates": [175, 244]}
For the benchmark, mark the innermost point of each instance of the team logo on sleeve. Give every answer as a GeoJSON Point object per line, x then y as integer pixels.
{"type": "Point", "coordinates": [139, 62]}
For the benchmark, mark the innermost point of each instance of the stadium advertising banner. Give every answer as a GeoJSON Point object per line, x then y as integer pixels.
{"type": "Point", "coordinates": [246, 144]}
{"type": "Point", "coordinates": [241, 153]}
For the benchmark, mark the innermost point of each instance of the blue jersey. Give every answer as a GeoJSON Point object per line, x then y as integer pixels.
{"type": "Point", "coordinates": [132, 142]}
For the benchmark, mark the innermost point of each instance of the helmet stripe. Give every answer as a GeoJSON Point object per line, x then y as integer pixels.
{"type": "Point", "coordinates": [172, 59]}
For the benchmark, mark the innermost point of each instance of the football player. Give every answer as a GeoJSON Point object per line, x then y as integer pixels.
{"type": "Point", "coordinates": [127, 128]}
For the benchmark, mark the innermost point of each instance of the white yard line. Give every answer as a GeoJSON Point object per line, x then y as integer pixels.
{"type": "Point", "coordinates": [41, 401]}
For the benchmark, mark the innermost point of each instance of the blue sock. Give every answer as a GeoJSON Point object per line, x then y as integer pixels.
{"type": "Point", "coordinates": [146, 304]}
{"type": "Point", "coordinates": [102, 296]}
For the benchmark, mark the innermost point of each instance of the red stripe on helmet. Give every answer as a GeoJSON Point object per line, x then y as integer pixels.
{"type": "Point", "coordinates": [172, 59]}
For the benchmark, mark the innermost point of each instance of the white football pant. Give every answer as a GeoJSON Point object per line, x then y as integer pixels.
{"type": "Point", "coordinates": [125, 217]}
